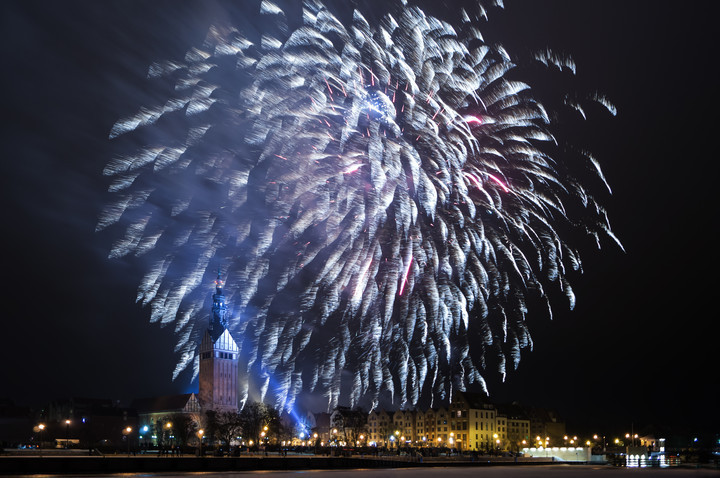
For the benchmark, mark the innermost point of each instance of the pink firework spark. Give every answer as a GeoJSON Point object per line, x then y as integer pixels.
{"type": "Point", "coordinates": [407, 272]}
{"type": "Point", "coordinates": [353, 168]}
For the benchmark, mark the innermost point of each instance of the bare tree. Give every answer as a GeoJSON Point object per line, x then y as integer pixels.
{"type": "Point", "coordinates": [227, 426]}
{"type": "Point", "coordinates": [258, 418]}
{"type": "Point", "coordinates": [350, 423]}
{"type": "Point", "coordinates": [183, 426]}
{"type": "Point", "coordinates": [252, 419]}
{"type": "Point", "coordinates": [355, 425]}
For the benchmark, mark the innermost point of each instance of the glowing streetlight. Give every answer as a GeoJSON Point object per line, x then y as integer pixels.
{"type": "Point", "coordinates": [67, 432]}
{"type": "Point", "coordinates": [631, 438]}
{"type": "Point", "coordinates": [127, 431]}
{"type": "Point", "coordinates": [200, 435]}
{"type": "Point", "coordinates": [596, 437]}
{"type": "Point", "coordinates": [39, 429]}
{"type": "Point", "coordinates": [168, 426]}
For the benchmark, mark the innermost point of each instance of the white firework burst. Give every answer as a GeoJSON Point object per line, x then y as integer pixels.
{"type": "Point", "coordinates": [384, 196]}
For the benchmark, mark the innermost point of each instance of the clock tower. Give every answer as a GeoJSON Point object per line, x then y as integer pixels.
{"type": "Point", "coordinates": [218, 359]}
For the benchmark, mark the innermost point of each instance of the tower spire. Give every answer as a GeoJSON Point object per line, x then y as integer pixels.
{"type": "Point", "coordinates": [218, 283]}
{"type": "Point", "coordinates": [218, 321]}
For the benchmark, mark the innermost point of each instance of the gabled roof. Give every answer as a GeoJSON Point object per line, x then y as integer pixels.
{"type": "Point", "coordinates": [222, 339]}
{"type": "Point", "coordinates": [166, 403]}
{"type": "Point", "coordinates": [215, 333]}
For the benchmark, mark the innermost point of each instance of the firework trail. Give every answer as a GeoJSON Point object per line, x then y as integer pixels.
{"type": "Point", "coordinates": [384, 197]}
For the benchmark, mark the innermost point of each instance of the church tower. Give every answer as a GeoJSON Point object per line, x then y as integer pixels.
{"type": "Point", "coordinates": [218, 359]}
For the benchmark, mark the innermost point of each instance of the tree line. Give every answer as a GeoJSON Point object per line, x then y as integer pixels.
{"type": "Point", "coordinates": [256, 423]}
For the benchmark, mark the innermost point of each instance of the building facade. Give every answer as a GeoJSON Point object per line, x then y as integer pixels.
{"type": "Point", "coordinates": [379, 427]}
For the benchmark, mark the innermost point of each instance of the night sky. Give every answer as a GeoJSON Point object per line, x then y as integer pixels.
{"type": "Point", "coordinates": [639, 349]}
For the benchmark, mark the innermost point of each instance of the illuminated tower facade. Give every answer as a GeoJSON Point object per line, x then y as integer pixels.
{"type": "Point", "coordinates": [218, 359]}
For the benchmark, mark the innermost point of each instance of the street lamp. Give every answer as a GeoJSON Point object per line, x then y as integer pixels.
{"type": "Point", "coordinates": [200, 434]}
{"type": "Point", "coordinates": [595, 437]}
{"type": "Point", "coordinates": [67, 432]}
{"type": "Point", "coordinates": [127, 431]}
{"type": "Point", "coordinates": [168, 425]}
{"type": "Point", "coordinates": [39, 429]}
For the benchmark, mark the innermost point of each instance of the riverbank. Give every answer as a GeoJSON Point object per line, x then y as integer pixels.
{"type": "Point", "coordinates": [28, 465]}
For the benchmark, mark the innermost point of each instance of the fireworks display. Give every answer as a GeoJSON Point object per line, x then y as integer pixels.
{"type": "Point", "coordinates": [383, 194]}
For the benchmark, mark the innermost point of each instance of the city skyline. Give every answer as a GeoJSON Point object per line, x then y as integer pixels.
{"type": "Point", "coordinates": [629, 352]}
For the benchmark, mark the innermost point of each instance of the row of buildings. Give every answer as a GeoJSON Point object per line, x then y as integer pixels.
{"type": "Point", "coordinates": [469, 422]}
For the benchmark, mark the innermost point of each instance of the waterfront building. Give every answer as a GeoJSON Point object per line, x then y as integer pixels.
{"type": "Point", "coordinates": [404, 427]}
{"type": "Point", "coordinates": [515, 434]}
{"type": "Point", "coordinates": [380, 426]}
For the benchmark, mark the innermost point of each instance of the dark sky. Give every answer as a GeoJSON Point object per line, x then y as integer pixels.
{"type": "Point", "coordinates": [640, 347]}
